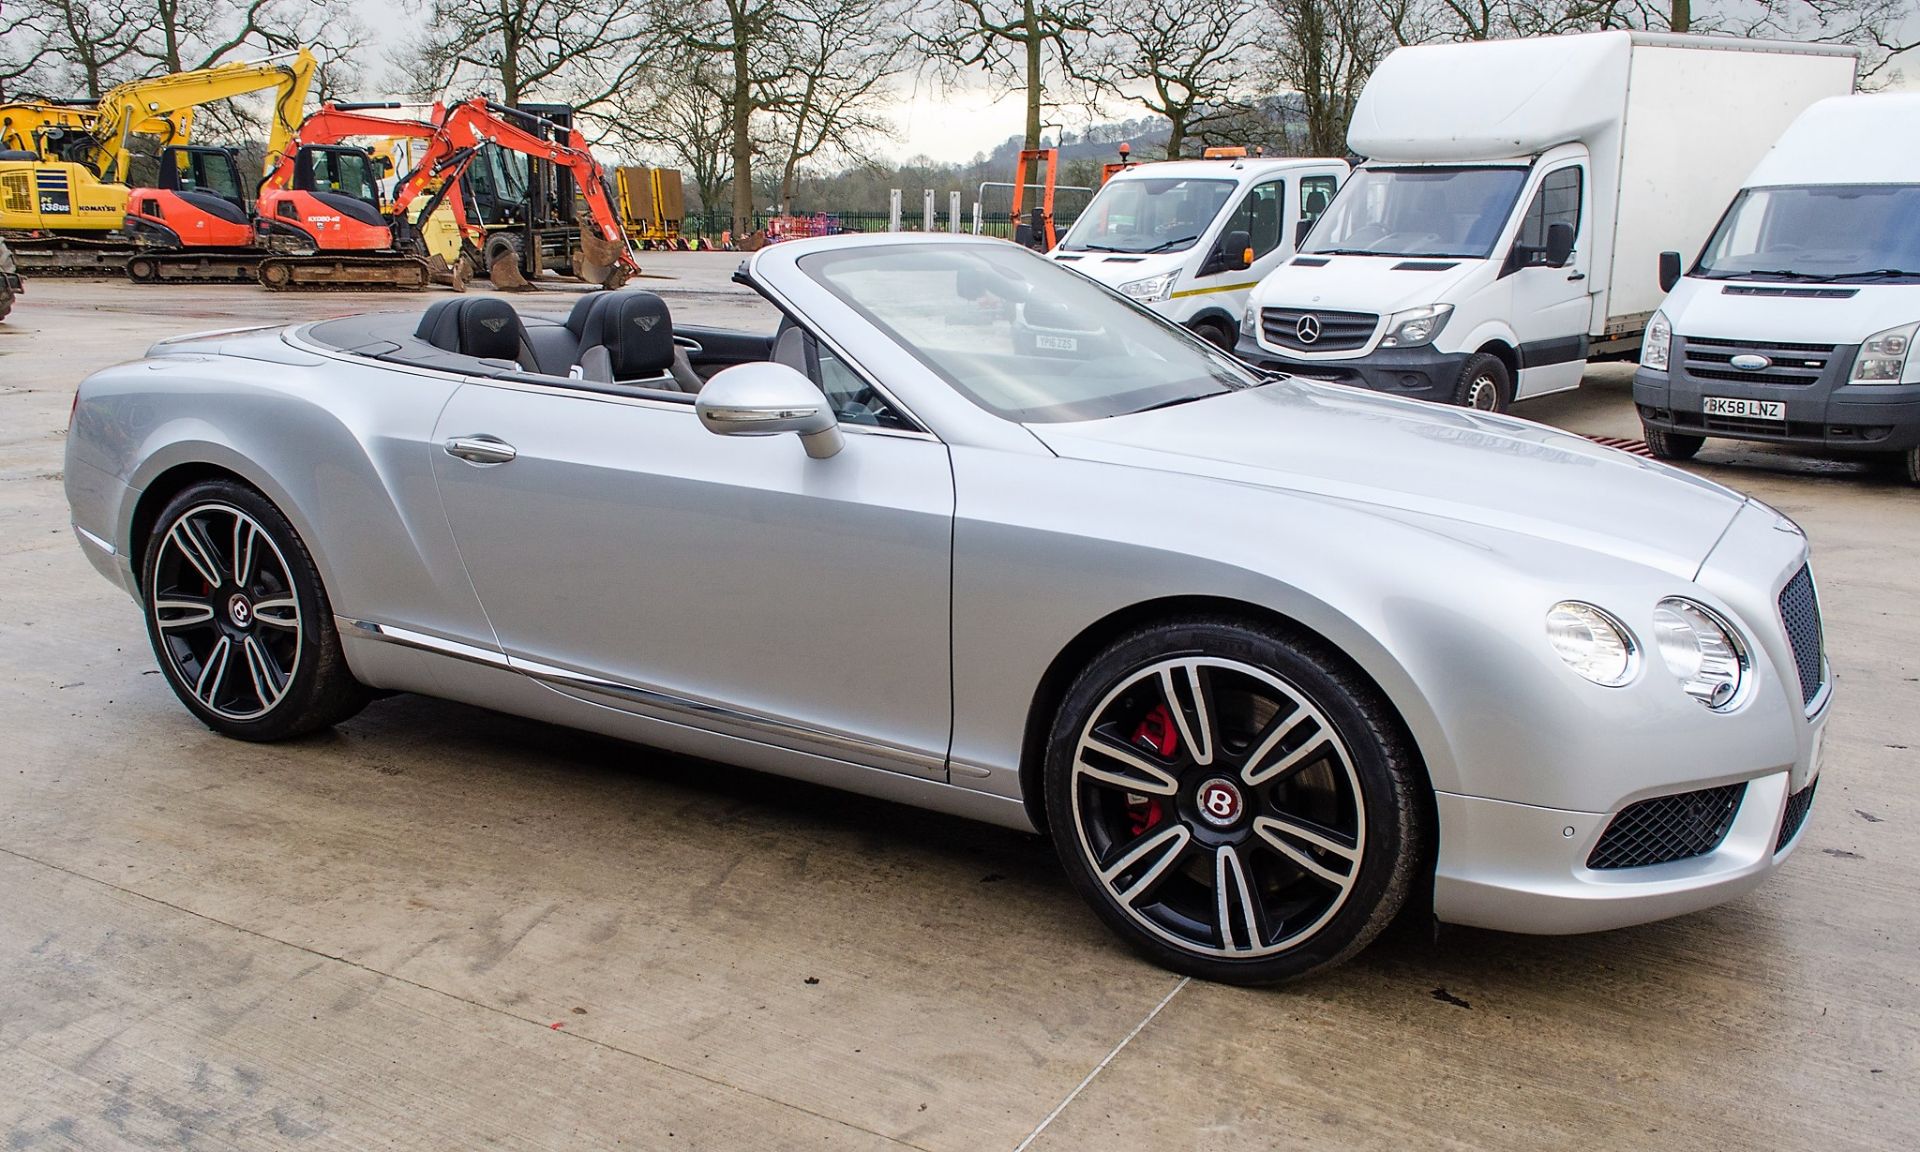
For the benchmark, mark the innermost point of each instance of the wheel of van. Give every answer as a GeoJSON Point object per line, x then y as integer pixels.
{"type": "Point", "coordinates": [239, 620]}
{"type": "Point", "coordinates": [1667, 445]}
{"type": "Point", "coordinates": [1217, 334]}
{"type": "Point", "coordinates": [1910, 463]}
{"type": "Point", "coordinates": [1485, 385]}
{"type": "Point", "coordinates": [1233, 800]}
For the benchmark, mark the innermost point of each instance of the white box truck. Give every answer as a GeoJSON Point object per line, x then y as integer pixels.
{"type": "Point", "coordinates": [1796, 322]}
{"type": "Point", "coordinates": [1507, 221]}
{"type": "Point", "coordinates": [1190, 238]}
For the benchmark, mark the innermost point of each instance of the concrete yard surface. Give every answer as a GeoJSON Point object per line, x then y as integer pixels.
{"type": "Point", "coordinates": [441, 928]}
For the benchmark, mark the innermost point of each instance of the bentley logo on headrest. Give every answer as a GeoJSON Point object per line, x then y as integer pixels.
{"type": "Point", "coordinates": [494, 325]}
{"type": "Point", "coordinates": [646, 322]}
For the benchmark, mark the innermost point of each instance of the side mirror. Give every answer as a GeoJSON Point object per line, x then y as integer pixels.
{"type": "Point", "coordinates": [768, 399]}
{"type": "Point", "coordinates": [1669, 270]}
{"type": "Point", "coordinates": [1235, 253]}
{"type": "Point", "coordinates": [1559, 244]}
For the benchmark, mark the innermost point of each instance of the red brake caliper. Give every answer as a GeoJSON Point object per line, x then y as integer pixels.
{"type": "Point", "coordinates": [1156, 734]}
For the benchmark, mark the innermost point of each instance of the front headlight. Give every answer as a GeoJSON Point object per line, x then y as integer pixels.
{"type": "Point", "coordinates": [1883, 356]}
{"type": "Point", "coordinates": [1250, 319]}
{"type": "Point", "coordinates": [1593, 643]}
{"type": "Point", "coordinates": [1700, 649]}
{"type": "Point", "coordinates": [1152, 289]}
{"type": "Point", "coordinates": [1657, 345]}
{"type": "Point", "coordinates": [1415, 326]}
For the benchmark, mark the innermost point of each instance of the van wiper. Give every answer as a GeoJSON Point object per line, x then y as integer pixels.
{"type": "Point", "coordinates": [1782, 273]}
{"type": "Point", "coordinates": [1884, 272]}
{"type": "Point", "coordinates": [1346, 252]}
{"type": "Point", "coordinates": [1170, 243]}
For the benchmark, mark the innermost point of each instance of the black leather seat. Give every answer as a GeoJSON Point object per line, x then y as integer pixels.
{"type": "Point", "coordinates": [628, 338]}
{"type": "Point", "coordinates": [482, 326]}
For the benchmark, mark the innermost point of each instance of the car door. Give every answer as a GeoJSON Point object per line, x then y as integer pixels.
{"type": "Point", "coordinates": [1552, 305]}
{"type": "Point", "coordinates": [625, 554]}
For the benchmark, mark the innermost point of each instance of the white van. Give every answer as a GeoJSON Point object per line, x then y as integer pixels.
{"type": "Point", "coordinates": [1796, 322]}
{"type": "Point", "coordinates": [1506, 224]}
{"type": "Point", "coordinates": [1174, 234]}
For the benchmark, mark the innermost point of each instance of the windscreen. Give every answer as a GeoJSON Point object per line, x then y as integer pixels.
{"type": "Point", "coordinates": [1148, 215]}
{"type": "Point", "coordinates": [1861, 232]}
{"type": "Point", "coordinates": [1021, 336]}
{"type": "Point", "coordinates": [1419, 212]}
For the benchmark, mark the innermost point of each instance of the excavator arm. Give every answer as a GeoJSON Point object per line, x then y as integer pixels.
{"type": "Point", "coordinates": [139, 105]}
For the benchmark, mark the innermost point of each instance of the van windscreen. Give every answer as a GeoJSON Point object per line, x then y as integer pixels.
{"type": "Point", "coordinates": [1420, 212]}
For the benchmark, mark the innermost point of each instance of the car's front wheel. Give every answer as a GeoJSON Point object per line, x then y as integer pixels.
{"type": "Point", "coordinates": [239, 620]}
{"type": "Point", "coordinates": [1233, 800]}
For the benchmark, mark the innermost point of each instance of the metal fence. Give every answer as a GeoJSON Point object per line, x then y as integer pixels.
{"type": "Point", "coordinates": [991, 218]}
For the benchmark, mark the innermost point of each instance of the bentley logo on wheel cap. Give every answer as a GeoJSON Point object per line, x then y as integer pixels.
{"type": "Point", "coordinates": [239, 611]}
{"type": "Point", "coordinates": [1219, 802]}
{"type": "Point", "coordinates": [1307, 328]}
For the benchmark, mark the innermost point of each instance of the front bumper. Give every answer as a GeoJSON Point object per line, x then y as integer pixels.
{"type": "Point", "coordinates": [1420, 373]}
{"type": "Point", "coordinates": [1830, 415]}
{"type": "Point", "coordinates": [1519, 868]}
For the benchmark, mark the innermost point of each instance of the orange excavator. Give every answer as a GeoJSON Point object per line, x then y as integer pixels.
{"type": "Point", "coordinates": [319, 221]}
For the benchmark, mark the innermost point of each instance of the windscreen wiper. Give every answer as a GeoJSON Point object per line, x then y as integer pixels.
{"type": "Point", "coordinates": [1782, 273]}
{"type": "Point", "coordinates": [1872, 272]}
{"type": "Point", "coordinates": [1170, 243]}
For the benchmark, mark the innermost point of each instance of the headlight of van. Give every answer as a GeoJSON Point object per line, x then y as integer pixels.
{"type": "Point", "coordinates": [1250, 319]}
{"type": "Point", "coordinates": [1151, 290]}
{"type": "Point", "coordinates": [1415, 326]}
{"type": "Point", "coordinates": [1657, 344]}
{"type": "Point", "coordinates": [1883, 356]}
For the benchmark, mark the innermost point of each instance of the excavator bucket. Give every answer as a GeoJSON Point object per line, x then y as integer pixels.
{"type": "Point", "coordinates": [598, 260]}
{"type": "Point", "coordinates": [505, 273]}
{"type": "Point", "coordinates": [453, 275]}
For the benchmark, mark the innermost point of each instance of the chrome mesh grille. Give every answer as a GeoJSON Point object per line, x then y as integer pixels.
{"type": "Point", "coordinates": [1800, 612]}
{"type": "Point", "coordinates": [1798, 806]}
{"type": "Point", "coordinates": [1668, 828]}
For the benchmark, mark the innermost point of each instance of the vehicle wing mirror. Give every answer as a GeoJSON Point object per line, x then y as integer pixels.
{"type": "Point", "coordinates": [1669, 270]}
{"type": "Point", "coordinates": [768, 399]}
{"type": "Point", "coordinates": [1235, 253]}
{"type": "Point", "coordinates": [1559, 247]}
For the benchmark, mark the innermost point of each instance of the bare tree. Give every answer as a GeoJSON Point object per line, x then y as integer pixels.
{"type": "Point", "coordinates": [581, 52]}
{"type": "Point", "coordinates": [1328, 49]}
{"type": "Point", "coordinates": [749, 41]}
{"type": "Point", "coordinates": [1186, 60]}
{"type": "Point", "coordinates": [843, 56]}
{"type": "Point", "coordinates": [683, 118]}
{"type": "Point", "coordinates": [68, 47]}
{"type": "Point", "coordinates": [1031, 45]}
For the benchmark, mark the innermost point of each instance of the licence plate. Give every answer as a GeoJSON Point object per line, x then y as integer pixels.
{"type": "Point", "coordinates": [1056, 343]}
{"type": "Point", "coordinates": [1744, 409]}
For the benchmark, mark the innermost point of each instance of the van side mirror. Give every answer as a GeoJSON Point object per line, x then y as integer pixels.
{"type": "Point", "coordinates": [1559, 247]}
{"type": "Point", "coordinates": [1669, 270]}
{"type": "Point", "coordinates": [1234, 253]}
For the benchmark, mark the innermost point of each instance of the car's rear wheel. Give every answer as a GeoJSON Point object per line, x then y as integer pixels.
{"type": "Point", "coordinates": [1667, 445]}
{"type": "Point", "coordinates": [239, 620]}
{"type": "Point", "coordinates": [1233, 800]}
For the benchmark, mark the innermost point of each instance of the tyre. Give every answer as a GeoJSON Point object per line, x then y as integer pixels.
{"type": "Point", "coordinates": [238, 619]}
{"type": "Point", "coordinates": [1907, 466]}
{"type": "Point", "coordinates": [1233, 801]}
{"type": "Point", "coordinates": [506, 261]}
{"type": "Point", "coordinates": [1667, 445]}
{"type": "Point", "coordinates": [1485, 385]}
{"type": "Point", "coordinates": [1216, 333]}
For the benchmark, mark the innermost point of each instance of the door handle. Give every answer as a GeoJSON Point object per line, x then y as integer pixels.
{"type": "Point", "coordinates": [481, 449]}
{"type": "Point", "coordinates": [1577, 276]}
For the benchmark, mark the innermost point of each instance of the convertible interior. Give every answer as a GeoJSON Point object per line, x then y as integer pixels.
{"type": "Point", "coordinates": [620, 342]}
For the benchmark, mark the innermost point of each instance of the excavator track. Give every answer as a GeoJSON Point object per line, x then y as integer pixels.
{"type": "Point", "coordinates": [320, 273]}
{"type": "Point", "coordinates": [164, 267]}
{"type": "Point", "coordinates": [69, 255]}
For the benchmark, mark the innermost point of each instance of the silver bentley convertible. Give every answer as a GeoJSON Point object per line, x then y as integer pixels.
{"type": "Point", "coordinates": [1269, 660]}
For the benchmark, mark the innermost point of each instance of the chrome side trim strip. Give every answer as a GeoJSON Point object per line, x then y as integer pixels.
{"type": "Point", "coordinates": [96, 541]}
{"type": "Point", "coordinates": [704, 714]}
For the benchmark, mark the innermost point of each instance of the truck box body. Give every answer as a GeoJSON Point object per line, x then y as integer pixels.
{"type": "Point", "coordinates": [1662, 126]}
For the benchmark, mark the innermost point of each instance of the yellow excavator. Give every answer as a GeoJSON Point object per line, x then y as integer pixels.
{"type": "Point", "coordinates": [64, 167]}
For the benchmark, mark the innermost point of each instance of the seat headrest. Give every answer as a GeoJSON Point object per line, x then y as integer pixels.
{"type": "Point", "coordinates": [583, 308]}
{"type": "Point", "coordinates": [482, 326]}
{"type": "Point", "coordinates": [636, 329]}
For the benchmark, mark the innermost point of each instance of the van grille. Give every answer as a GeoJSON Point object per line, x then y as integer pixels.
{"type": "Point", "coordinates": [1338, 331]}
{"type": "Point", "coordinates": [1791, 365]}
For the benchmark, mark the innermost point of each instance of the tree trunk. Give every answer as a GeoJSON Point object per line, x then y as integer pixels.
{"type": "Point", "coordinates": [1035, 81]}
{"type": "Point", "coordinates": [1176, 135]}
{"type": "Point", "coordinates": [742, 111]}
{"type": "Point", "coordinates": [1682, 15]}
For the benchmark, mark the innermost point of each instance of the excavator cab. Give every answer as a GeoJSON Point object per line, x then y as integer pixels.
{"type": "Point", "coordinates": [197, 201]}
{"type": "Point", "coordinates": [208, 177]}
